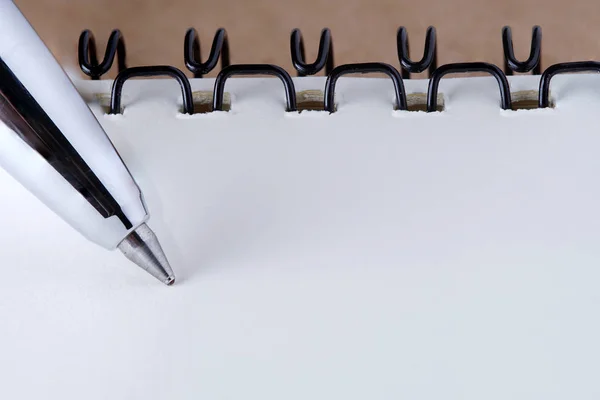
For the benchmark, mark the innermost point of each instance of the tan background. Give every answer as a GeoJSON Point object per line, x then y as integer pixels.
{"type": "Point", "coordinates": [363, 30]}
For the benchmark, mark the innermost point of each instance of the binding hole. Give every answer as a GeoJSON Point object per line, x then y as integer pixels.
{"type": "Point", "coordinates": [203, 101]}
{"type": "Point", "coordinates": [418, 102]}
{"type": "Point", "coordinates": [525, 100]}
{"type": "Point", "coordinates": [310, 100]}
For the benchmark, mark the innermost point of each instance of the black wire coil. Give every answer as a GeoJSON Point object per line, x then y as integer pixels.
{"type": "Point", "coordinates": [89, 64]}
{"type": "Point", "coordinates": [154, 70]}
{"type": "Point", "coordinates": [493, 70]}
{"type": "Point", "coordinates": [324, 56]}
{"type": "Point", "coordinates": [191, 52]}
{"type": "Point", "coordinates": [561, 68]}
{"type": "Point", "coordinates": [88, 58]}
{"type": "Point", "coordinates": [364, 68]}
{"type": "Point", "coordinates": [532, 63]}
{"type": "Point", "coordinates": [429, 60]}
{"type": "Point", "coordinates": [254, 69]}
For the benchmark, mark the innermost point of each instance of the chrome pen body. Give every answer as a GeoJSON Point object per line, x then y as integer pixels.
{"type": "Point", "coordinates": [53, 145]}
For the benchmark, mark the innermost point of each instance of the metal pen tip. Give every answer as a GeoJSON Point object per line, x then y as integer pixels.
{"type": "Point", "coordinates": [142, 247]}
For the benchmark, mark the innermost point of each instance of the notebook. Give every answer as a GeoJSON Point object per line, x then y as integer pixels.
{"type": "Point", "coordinates": [368, 252]}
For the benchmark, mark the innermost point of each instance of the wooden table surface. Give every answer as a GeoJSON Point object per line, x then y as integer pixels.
{"type": "Point", "coordinates": [363, 30]}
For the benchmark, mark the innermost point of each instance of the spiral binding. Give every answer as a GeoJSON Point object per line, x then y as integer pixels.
{"type": "Point", "coordinates": [324, 56]}
{"type": "Point", "coordinates": [191, 55]}
{"type": "Point", "coordinates": [429, 60]}
{"type": "Point", "coordinates": [561, 68]}
{"type": "Point", "coordinates": [364, 68]}
{"type": "Point", "coordinates": [154, 70]}
{"type": "Point", "coordinates": [88, 58]}
{"type": "Point", "coordinates": [89, 64]}
{"type": "Point", "coordinates": [492, 69]}
{"type": "Point", "coordinates": [254, 69]}
{"type": "Point", "coordinates": [532, 63]}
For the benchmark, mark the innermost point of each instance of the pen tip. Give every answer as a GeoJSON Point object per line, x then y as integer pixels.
{"type": "Point", "coordinates": [142, 247]}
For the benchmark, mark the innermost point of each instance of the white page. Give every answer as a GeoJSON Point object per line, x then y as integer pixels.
{"type": "Point", "coordinates": [364, 254]}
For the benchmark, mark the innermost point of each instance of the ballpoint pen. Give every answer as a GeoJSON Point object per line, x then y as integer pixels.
{"type": "Point", "coordinates": [53, 145]}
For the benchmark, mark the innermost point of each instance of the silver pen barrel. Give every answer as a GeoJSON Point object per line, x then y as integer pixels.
{"type": "Point", "coordinates": [55, 147]}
